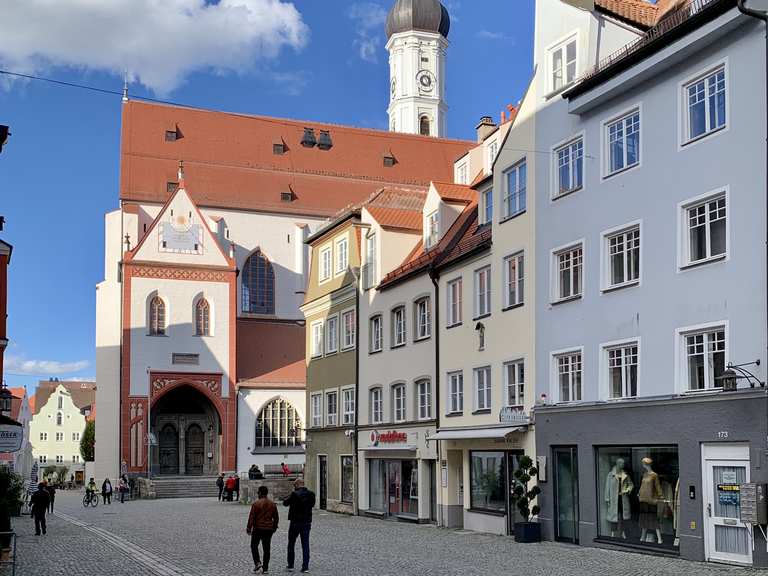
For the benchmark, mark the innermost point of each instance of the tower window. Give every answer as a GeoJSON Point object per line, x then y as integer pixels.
{"type": "Point", "coordinates": [171, 187]}
{"type": "Point", "coordinates": [157, 317]}
{"type": "Point", "coordinates": [389, 160]}
{"type": "Point", "coordinates": [258, 285]}
{"type": "Point", "coordinates": [424, 126]}
{"type": "Point", "coordinates": [279, 148]}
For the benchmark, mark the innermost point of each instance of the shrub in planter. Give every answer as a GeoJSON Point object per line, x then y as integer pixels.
{"type": "Point", "coordinates": [522, 497]}
{"type": "Point", "coordinates": [11, 487]}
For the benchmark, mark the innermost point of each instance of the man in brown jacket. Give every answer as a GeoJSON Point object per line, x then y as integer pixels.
{"type": "Point", "coordinates": [262, 524]}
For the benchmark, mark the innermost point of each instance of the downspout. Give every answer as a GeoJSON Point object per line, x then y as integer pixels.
{"type": "Point", "coordinates": [434, 275]}
{"type": "Point", "coordinates": [355, 455]}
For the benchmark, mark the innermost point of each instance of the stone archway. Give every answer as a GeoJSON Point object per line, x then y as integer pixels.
{"type": "Point", "coordinates": [189, 431]}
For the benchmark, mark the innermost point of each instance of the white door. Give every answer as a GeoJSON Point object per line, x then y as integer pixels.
{"type": "Point", "coordinates": [726, 538]}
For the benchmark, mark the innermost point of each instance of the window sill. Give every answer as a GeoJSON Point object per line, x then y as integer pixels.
{"type": "Point", "coordinates": [481, 411]}
{"type": "Point", "coordinates": [621, 171]}
{"type": "Point", "coordinates": [512, 216]}
{"type": "Point", "coordinates": [704, 136]}
{"type": "Point", "coordinates": [315, 356]}
{"type": "Point", "coordinates": [476, 318]}
{"type": "Point", "coordinates": [453, 325]}
{"type": "Point", "coordinates": [703, 262]}
{"type": "Point", "coordinates": [374, 352]}
{"type": "Point", "coordinates": [158, 335]}
{"type": "Point", "coordinates": [422, 339]}
{"type": "Point", "coordinates": [513, 306]}
{"type": "Point", "coordinates": [454, 414]}
{"type": "Point", "coordinates": [332, 353]}
{"type": "Point", "coordinates": [704, 392]}
{"type": "Point", "coordinates": [395, 346]}
{"type": "Point", "coordinates": [487, 512]}
{"type": "Point", "coordinates": [348, 349]}
{"type": "Point", "coordinates": [565, 300]}
{"type": "Point", "coordinates": [617, 287]}
{"type": "Point", "coordinates": [565, 194]}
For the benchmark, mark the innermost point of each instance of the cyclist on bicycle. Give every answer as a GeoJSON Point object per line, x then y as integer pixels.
{"type": "Point", "coordinates": [90, 488]}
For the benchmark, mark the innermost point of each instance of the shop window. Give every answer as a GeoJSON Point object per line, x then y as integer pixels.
{"type": "Point", "coordinates": [377, 493]}
{"type": "Point", "coordinates": [347, 479]}
{"type": "Point", "coordinates": [487, 482]}
{"type": "Point", "coordinates": [639, 495]}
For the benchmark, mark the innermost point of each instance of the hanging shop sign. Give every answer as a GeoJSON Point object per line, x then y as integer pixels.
{"type": "Point", "coordinates": [11, 436]}
{"type": "Point", "coordinates": [510, 415]}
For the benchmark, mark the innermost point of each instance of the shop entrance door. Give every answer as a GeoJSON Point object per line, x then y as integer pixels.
{"type": "Point", "coordinates": [393, 487]}
{"type": "Point", "coordinates": [322, 472]}
{"type": "Point", "coordinates": [513, 515]}
{"type": "Point", "coordinates": [726, 538]}
{"type": "Point", "coordinates": [566, 485]}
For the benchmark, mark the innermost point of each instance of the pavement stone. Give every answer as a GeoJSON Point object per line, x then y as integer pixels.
{"type": "Point", "coordinates": [197, 537]}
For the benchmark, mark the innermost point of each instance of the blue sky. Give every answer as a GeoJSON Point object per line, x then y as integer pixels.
{"type": "Point", "coordinates": [59, 170]}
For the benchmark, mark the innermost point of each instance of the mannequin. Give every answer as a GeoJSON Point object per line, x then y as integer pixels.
{"type": "Point", "coordinates": [676, 511]}
{"type": "Point", "coordinates": [618, 487]}
{"type": "Point", "coordinates": [649, 495]}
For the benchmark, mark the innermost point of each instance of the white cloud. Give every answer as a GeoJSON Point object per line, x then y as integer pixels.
{"type": "Point", "coordinates": [290, 83]}
{"type": "Point", "coordinates": [158, 42]}
{"type": "Point", "coordinates": [19, 366]}
{"type": "Point", "coordinates": [489, 35]}
{"type": "Point", "coordinates": [369, 18]}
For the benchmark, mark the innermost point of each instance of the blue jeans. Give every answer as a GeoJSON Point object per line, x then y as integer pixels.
{"type": "Point", "coordinates": [296, 531]}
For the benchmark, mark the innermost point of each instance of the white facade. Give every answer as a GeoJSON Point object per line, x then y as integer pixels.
{"type": "Point", "coordinates": [55, 431]}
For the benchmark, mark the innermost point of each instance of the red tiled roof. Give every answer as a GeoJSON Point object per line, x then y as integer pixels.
{"type": "Point", "coordinates": [230, 159]}
{"type": "Point", "coordinates": [481, 179]}
{"type": "Point", "coordinates": [474, 238]}
{"type": "Point", "coordinates": [32, 404]}
{"type": "Point", "coordinates": [83, 393]}
{"type": "Point", "coordinates": [638, 12]}
{"type": "Point", "coordinates": [455, 192]}
{"type": "Point", "coordinates": [290, 376]}
{"type": "Point", "coordinates": [267, 350]}
{"type": "Point", "coordinates": [16, 401]}
{"type": "Point", "coordinates": [392, 218]}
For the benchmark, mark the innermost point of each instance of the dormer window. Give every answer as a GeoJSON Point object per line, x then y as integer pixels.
{"type": "Point", "coordinates": [171, 187]}
{"type": "Point", "coordinates": [325, 142]}
{"type": "Point", "coordinates": [171, 135]}
{"type": "Point", "coordinates": [286, 196]}
{"type": "Point", "coordinates": [389, 160]}
{"type": "Point", "coordinates": [279, 148]}
{"type": "Point", "coordinates": [308, 140]}
{"type": "Point", "coordinates": [432, 230]}
{"type": "Point", "coordinates": [563, 64]}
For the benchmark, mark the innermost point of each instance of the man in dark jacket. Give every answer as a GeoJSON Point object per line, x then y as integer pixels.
{"type": "Point", "coordinates": [39, 504]}
{"type": "Point", "coordinates": [220, 484]}
{"type": "Point", "coordinates": [300, 502]}
{"type": "Point", "coordinates": [262, 524]}
{"type": "Point", "coordinates": [51, 495]}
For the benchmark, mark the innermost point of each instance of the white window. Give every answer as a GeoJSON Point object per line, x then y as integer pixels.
{"type": "Point", "coordinates": [326, 258]}
{"type": "Point", "coordinates": [568, 276]}
{"type": "Point", "coordinates": [483, 292]}
{"type": "Point", "coordinates": [369, 275]}
{"type": "Point", "coordinates": [377, 408]}
{"type": "Point", "coordinates": [331, 408]}
{"type": "Point", "coordinates": [433, 229]}
{"type": "Point", "coordinates": [348, 404]}
{"type": "Point", "coordinates": [514, 280]}
{"type": "Point", "coordinates": [704, 358]}
{"type": "Point", "coordinates": [483, 388]}
{"type": "Point", "coordinates": [705, 104]}
{"type": "Point", "coordinates": [317, 410]}
{"type": "Point", "coordinates": [563, 64]}
{"type": "Point", "coordinates": [342, 255]}
{"type": "Point", "coordinates": [42, 458]}
{"type": "Point", "coordinates": [317, 339]}
{"type": "Point", "coordinates": [568, 369]}
{"type": "Point", "coordinates": [705, 230]}
{"type": "Point", "coordinates": [570, 167]}
{"type": "Point", "coordinates": [423, 319]}
{"type": "Point", "coordinates": [59, 459]}
{"type": "Point", "coordinates": [332, 335]}
{"type": "Point", "coordinates": [348, 328]}
{"type": "Point", "coordinates": [515, 190]}
{"type": "Point", "coordinates": [514, 383]}
{"type": "Point", "coordinates": [622, 364]}
{"type": "Point", "coordinates": [59, 436]}
{"type": "Point", "coordinates": [61, 402]}
{"type": "Point", "coordinates": [493, 148]}
{"type": "Point", "coordinates": [43, 436]}
{"type": "Point", "coordinates": [622, 257]}
{"type": "Point", "coordinates": [454, 302]}
{"type": "Point", "coordinates": [398, 403]}
{"type": "Point", "coordinates": [461, 174]}
{"type": "Point", "coordinates": [75, 458]}
{"type": "Point", "coordinates": [376, 334]}
{"type": "Point", "coordinates": [488, 206]}
{"type": "Point", "coordinates": [455, 392]}
{"type": "Point", "coordinates": [398, 326]}
{"type": "Point", "coordinates": [75, 436]}
{"type": "Point", "coordinates": [623, 142]}
{"type": "Point", "coordinates": [424, 396]}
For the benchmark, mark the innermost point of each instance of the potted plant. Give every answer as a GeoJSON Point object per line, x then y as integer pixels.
{"type": "Point", "coordinates": [11, 487]}
{"type": "Point", "coordinates": [522, 497]}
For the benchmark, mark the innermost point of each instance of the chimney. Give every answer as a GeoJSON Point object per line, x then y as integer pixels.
{"type": "Point", "coordinates": [503, 117]}
{"type": "Point", "coordinates": [485, 127]}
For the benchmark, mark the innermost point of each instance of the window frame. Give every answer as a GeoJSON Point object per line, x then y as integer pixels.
{"type": "Point", "coordinates": [681, 354]}
{"type": "Point", "coordinates": [203, 306]}
{"type": "Point", "coordinates": [331, 418]}
{"type": "Point", "coordinates": [518, 395]}
{"type": "Point", "coordinates": [555, 253]}
{"type": "Point", "coordinates": [605, 368]}
{"type": "Point", "coordinates": [323, 274]}
{"type": "Point", "coordinates": [605, 256]}
{"type": "Point", "coordinates": [432, 229]}
{"type": "Point", "coordinates": [554, 384]}
{"type": "Point", "coordinates": [561, 45]}
{"type": "Point", "coordinates": [268, 283]}
{"type": "Point", "coordinates": [398, 339]}
{"type": "Point", "coordinates": [317, 416]}
{"type": "Point", "coordinates": [457, 394]}
{"type": "Point", "coordinates": [314, 340]}
{"type": "Point", "coordinates": [480, 297]}
{"type": "Point", "coordinates": [685, 140]}
{"type": "Point", "coordinates": [683, 237]}
{"type": "Point", "coordinates": [606, 145]}
{"type": "Point", "coordinates": [485, 195]}
{"type": "Point", "coordinates": [328, 334]}
{"type": "Point", "coordinates": [419, 384]}
{"type": "Point", "coordinates": [522, 205]}
{"type": "Point", "coordinates": [371, 261]}
{"type": "Point", "coordinates": [519, 280]}
{"type": "Point", "coordinates": [344, 333]}
{"type": "Point", "coordinates": [454, 305]}
{"type": "Point", "coordinates": [568, 143]}
{"type": "Point", "coordinates": [373, 391]}
{"type": "Point", "coordinates": [154, 324]}
{"type": "Point", "coordinates": [341, 478]}
{"type": "Point", "coordinates": [348, 417]}
{"type": "Point", "coordinates": [462, 176]}
{"type": "Point", "coordinates": [338, 269]}
{"type": "Point", "coordinates": [487, 389]}
{"type": "Point", "coordinates": [418, 336]}
{"type": "Point", "coordinates": [402, 401]}
{"type": "Point", "coordinates": [373, 333]}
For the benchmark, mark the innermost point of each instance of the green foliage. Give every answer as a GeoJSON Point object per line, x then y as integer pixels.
{"type": "Point", "coordinates": [49, 471]}
{"type": "Point", "coordinates": [11, 489]}
{"type": "Point", "coordinates": [88, 441]}
{"type": "Point", "coordinates": [61, 474]}
{"type": "Point", "coordinates": [521, 495]}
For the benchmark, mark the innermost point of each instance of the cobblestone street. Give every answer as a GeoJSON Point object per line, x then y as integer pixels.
{"type": "Point", "coordinates": [202, 537]}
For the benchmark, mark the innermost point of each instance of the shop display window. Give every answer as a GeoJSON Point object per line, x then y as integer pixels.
{"type": "Point", "coordinates": [410, 487]}
{"type": "Point", "coordinates": [378, 485]}
{"type": "Point", "coordinates": [639, 495]}
{"type": "Point", "coordinates": [488, 481]}
{"type": "Point", "coordinates": [347, 479]}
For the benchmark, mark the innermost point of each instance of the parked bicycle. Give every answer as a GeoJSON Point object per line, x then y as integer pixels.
{"type": "Point", "coordinates": [90, 499]}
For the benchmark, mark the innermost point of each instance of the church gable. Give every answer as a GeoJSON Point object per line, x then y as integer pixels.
{"type": "Point", "coordinates": [180, 235]}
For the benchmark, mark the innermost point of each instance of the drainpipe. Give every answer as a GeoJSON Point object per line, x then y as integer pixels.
{"type": "Point", "coordinates": [434, 275]}
{"type": "Point", "coordinates": [355, 455]}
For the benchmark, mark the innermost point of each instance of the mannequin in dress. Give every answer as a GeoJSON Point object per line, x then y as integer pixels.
{"type": "Point", "coordinates": [649, 495]}
{"type": "Point", "coordinates": [618, 487]}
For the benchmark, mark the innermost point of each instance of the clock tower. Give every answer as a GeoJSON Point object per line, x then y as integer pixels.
{"type": "Point", "coordinates": [417, 32]}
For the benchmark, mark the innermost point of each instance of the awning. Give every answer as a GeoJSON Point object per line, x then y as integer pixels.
{"type": "Point", "coordinates": [395, 448]}
{"type": "Point", "coordinates": [476, 433]}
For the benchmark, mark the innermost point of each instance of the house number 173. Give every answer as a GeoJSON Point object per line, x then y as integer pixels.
{"type": "Point", "coordinates": [722, 434]}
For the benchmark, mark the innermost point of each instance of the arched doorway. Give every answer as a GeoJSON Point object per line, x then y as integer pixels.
{"type": "Point", "coordinates": [188, 429]}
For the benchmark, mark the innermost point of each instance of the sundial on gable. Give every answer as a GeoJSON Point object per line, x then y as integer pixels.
{"type": "Point", "coordinates": [181, 234]}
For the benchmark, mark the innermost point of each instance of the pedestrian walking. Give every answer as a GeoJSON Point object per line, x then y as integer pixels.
{"type": "Point", "coordinates": [122, 489]}
{"type": "Point", "coordinates": [300, 504]}
{"type": "Point", "coordinates": [39, 504]}
{"type": "Point", "coordinates": [51, 495]}
{"type": "Point", "coordinates": [229, 488]}
{"type": "Point", "coordinates": [262, 524]}
{"type": "Point", "coordinates": [220, 484]}
{"type": "Point", "coordinates": [106, 491]}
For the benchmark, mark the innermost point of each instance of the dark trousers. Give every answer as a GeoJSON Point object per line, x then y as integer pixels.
{"type": "Point", "coordinates": [39, 522]}
{"type": "Point", "coordinates": [50, 505]}
{"type": "Point", "coordinates": [122, 496]}
{"type": "Point", "coordinates": [295, 531]}
{"type": "Point", "coordinates": [221, 490]}
{"type": "Point", "coordinates": [107, 497]}
{"type": "Point", "coordinates": [265, 537]}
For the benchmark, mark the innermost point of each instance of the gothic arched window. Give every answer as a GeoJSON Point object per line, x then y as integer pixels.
{"type": "Point", "coordinates": [424, 126]}
{"type": "Point", "coordinates": [278, 425]}
{"type": "Point", "coordinates": [157, 316]}
{"type": "Point", "coordinates": [258, 285]}
{"type": "Point", "coordinates": [202, 318]}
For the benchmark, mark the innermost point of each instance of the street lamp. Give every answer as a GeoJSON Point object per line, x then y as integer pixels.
{"type": "Point", "coordinates": [735, 372]}
{"type": "Point", "coordinates": [6, 400]}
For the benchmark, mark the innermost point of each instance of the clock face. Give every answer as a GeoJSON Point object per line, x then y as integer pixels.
{"type": "Point", "coordinates": [426, 80]}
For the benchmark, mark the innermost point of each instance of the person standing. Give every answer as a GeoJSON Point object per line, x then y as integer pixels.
{"type": "Point", "coordinates": [39, 503]}
{"type": "Point", "coordinates": [106, 491]}
{"type": "Point", "coordinates": [220, 484]}
{"type": "Point", "coordinates": [262, 524]}
{"type": "Point", "coordinates": [300, 503]}
{"type": "Point", "coordinates": [237, 488]}
{"type": "Point", "coordinates": [51, 495]}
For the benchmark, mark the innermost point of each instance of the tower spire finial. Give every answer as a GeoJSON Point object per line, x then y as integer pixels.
{"type": "Point", "coordinates": [125, 85]}
{"type": "Point", "coordinates": [181, 174]}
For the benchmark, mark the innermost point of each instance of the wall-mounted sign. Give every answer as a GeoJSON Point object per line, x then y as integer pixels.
{"type": "Point", "coordinates": [511, 415]}
{"type": "Point", "coordinates": [11, 437]}
{"type": "Point", "coordinates": [729, 494]}
{"type": "Point", "coordinates": [391, 437]}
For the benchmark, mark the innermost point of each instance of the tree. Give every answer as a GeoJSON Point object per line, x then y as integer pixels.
{"type": "Point", "coordinates": [520, 494]}
{"type": "Point", "coordinates": [88, 441]}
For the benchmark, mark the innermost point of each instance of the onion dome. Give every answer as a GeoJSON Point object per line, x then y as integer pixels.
{"type": "Point", "coordinates": [421, 15]}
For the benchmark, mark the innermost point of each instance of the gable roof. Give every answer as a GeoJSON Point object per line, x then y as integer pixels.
{"type": "Point", "coordinates": [458, 193]}
{"type": "Point", "coordinates": [230, 159]}
{"type": "Point", "coordinates": [639, 13]}
{"type": "Point", "coordinates": [83, 393]}
{"type": "Point", "coordinates": [474, 238]}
